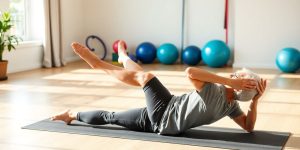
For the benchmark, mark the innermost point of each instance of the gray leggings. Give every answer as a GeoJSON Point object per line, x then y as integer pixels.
{"type": "Point", "coordinates": [141, 119]}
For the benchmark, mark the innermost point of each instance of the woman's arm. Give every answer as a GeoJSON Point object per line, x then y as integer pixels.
{"type": "Point", "coordinates": [202, 76]}
{"type": "Point", "coordinates": [248, 122]}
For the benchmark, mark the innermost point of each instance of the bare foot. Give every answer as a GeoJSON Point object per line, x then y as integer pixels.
{"type": "Point", "coordinates": [86, 54]}
{"type": "Point", "coordinates": [122, 52]}
{"type": "Point", "coordinates": [67, 116]}
{"type": "Point", "coordinates": [79, 49]}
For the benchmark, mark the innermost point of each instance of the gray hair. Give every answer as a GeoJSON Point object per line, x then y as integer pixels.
{"type": "Point", "coordinates": [246, 95]}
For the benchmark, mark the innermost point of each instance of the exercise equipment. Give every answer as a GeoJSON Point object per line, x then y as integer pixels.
{"type": "Point", "coordinates": [288, 60]}
{"type": "Point", "coordinates": [215, 53]}
{"type": "Point", "coordinates": [115, 46]}
{"type": "Point", "coordinates": [182, 38]}
{"type": "Point", "coordinates": [204, 136]}
{"type": "Point", "coordinates": [146, 52]}
{"type": "Point", "coordinates": [91, 37]}
{"type": "Point", "coordinates": [115, 58]}
{"type": "Point", "coordinates": [167, 53]}
{"type": "Point", "coordinates": [133, 58]}
{"type": "Point", "coordinates": [226, 18]}
{"type": "Point", "coordinates": [191, 55]}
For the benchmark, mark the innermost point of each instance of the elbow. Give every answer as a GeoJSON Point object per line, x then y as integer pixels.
{"type": "Point", "coordinates": [249, 129]}
{"type": "Point", "coordinates": [190, 71]}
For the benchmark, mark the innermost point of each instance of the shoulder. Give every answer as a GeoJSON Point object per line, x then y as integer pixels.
{"type": "Point", "coordinates": [235, 110]}
{"type": "Point", "coordinates": [209, 85]}
{"type": "Point", "coordinates": [211, 91]}
{"type": "Point", "coordinates": [211, 88]}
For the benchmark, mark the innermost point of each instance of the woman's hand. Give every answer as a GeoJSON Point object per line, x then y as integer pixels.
{"type": "Point", "coordinates": [243, 84]}
{"type": "Point", "coordinates": [260, 89]}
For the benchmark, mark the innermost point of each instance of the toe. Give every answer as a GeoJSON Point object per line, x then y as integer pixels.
{"type": "Point", "coordinates": [77, 46]}
{"type": "Point", "coordinates": [53, 118]}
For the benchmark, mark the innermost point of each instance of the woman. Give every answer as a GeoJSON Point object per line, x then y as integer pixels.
{"type": "Point", "coordinates": [214, 97]}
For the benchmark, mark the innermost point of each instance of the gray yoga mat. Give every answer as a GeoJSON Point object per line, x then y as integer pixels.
{"type": "Point", "coordinates": [200, 136]}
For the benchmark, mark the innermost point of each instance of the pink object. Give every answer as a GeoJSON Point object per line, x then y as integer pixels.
{"type": "Point", "coordinates": [115, 46]}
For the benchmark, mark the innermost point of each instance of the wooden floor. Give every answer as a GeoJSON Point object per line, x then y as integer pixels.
{"type": "Point", "coordinates": [30, 96]}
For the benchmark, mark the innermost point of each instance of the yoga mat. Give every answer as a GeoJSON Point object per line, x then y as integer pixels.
{"type": "Point", "coordinates": [201, 136]}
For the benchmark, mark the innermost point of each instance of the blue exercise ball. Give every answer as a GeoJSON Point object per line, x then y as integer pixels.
{"type": "Point", "coordinates": [191, 55]}
{"type": "Point", "coordinates": [215, 53]}
{"type": "Point", "coordinates": [167, 53]}
{"type": "Point", "coordinates": [288, 60]}
{"type": "Point", "coordinates": [146, 52]}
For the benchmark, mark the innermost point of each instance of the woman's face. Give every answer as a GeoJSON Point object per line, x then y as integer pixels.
{"type": "Point", "coordinates": [242, 95]}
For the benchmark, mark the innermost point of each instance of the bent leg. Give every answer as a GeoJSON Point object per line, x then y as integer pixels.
{"type": "Point", "coordinates": [131, 77]}
{"type": "Point", "coordinates": [157, 100]}
{"type": "Point", "coordinates": [157, 96]}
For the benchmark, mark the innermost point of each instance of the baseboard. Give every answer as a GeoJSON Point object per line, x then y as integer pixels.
{"type": "Point", "coordinates": [24, 68]}
{"type": "Point", "coordinates": [254, 65]}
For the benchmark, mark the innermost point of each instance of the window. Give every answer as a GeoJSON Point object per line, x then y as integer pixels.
{"type": "Point", "coordinates": [27, 17]}
{"type": "Point", "coordinates": [18, 14]}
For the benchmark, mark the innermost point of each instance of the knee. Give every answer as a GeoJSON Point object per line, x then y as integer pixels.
{"type": "Point", "coordinates": [147, 77]}
{"type": "Point", "coordinates": [144, 77]}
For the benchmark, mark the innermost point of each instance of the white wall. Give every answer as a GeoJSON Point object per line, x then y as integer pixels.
{"type": "Point", "coordinates": [135, 21]}
{"type": "Point", "coordinates": [72, 20]}
{"type": "Point", "coordinates": [156, 21]}
{"type": "Point", "coordinates": [204, 21]}
{"type": "Point", "coordinates": [258, 29]}
{"type": "Point", "coordinates": [262, 28]}
{"type": "Point", "coordinates": [27, 56]}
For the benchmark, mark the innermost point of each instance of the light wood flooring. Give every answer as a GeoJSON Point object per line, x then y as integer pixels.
{"type": "Point", "coordinates": [31, 96]}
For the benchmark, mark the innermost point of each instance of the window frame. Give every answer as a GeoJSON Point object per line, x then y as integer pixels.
{"type": "Point", "coordinates": [31, 18]}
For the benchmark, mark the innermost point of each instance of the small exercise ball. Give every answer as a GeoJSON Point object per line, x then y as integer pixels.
{"type": "Point", "coordinates": [288, 60]}
{"type": "Point", "coordinates": [191, 55]}
{"type": "Point", "coordinates": [167, 53]}
{"type": "Point", "coordinates": [146, 52]}
{"type": "Point", "coordinates": [215, 53]}
{"type": "Point", "coordinates": [115, 46]}
{"type": "Point", "coordinates": [133, 58]}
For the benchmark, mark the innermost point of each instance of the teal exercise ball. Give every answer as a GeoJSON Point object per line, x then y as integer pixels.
{"type": "Point", "coordinates": [167, 53]}
{"type": "Point", "coordinates": [288, 60]}
{"type": "Point", "coordinates": [191, 55]}
{"type": "Point", "coordinates": [215, 53]}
